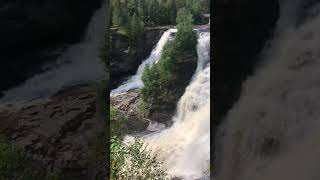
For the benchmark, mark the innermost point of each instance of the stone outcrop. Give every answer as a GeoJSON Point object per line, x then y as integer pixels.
{"type": "Point", "coordinates": [128, 105]}
{"type": "Point", "coordinates": [125, 60]}
{"type": "Point", "coordinates": [162, 110]}
{"type": "Point", "coordinates": [57, 131]}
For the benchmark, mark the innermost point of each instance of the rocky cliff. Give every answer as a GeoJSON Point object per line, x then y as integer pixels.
{"type": "Point", "coordinates": [125, 60]}
{"type": "Point", "coordinates": [59, 132]}
{"type": "Point", "coordinates": [31, 30]}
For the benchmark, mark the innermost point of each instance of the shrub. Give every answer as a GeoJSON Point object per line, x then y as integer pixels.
{"type": "Point", "coordinates": [158, 79]}
{"type": "Point", "coordinates": [117, 123]}
{"type": "Point", "coordinates": [134, 29]}
{"type": "Point", "coordinates": [186, 38]}
{"type": "Point", "coordinates": [130, 161]}
{"type": "Point", "coordinates": [134, 161]}
{"type": "Point", "coordinates": [18, 165]}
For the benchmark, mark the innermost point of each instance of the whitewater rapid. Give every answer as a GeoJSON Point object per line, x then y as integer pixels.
{"type": "Point", "coordinates": [185, 146]}
{"type": "Point", "coordinates": [135, 81]}
{"type": "Point", "coordinates": [80, 63]}
{"type": "Point", "coordinates": [272, 132]}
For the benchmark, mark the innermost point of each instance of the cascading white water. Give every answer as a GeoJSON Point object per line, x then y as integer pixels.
{"type": "Point", "coordinates": [273, 131]}
{"type": "Point", "coordinates": [135, 81]}
{"type": "Point", "coordinates": [79, 64]}
{"type": "Point", "coordinates": [185, 146]}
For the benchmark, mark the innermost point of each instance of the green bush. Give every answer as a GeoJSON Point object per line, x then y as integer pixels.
{"type": "Point", "coordinates": [131, 161]}
{"type": "Point", "coordinates": [158, 79]}
{"type": "Point", "coordinates": [18, 165]}
{"type": "Point", "coordinates": [186, 38]}
{"type": "Point", "coordinates": [134, 29]}
{"type": "Point", "coordinates": [154, 12]}
{"type": "Point", "coordinates": [134, 161]}
{"type": "Point", "coordinates": [117, 123]}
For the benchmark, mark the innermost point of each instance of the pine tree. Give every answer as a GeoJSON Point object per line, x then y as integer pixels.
{"type": "Point", "coordinates": [135, 29]}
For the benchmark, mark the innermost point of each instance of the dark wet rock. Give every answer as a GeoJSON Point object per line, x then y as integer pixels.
{"type": "Point", "coordinates": [125, 60]}
{"type": "Point", "coordinates": [164, 108]}
{"type": "Point", "coordinates": [128, 104]}
{"type": "Point", "coordinates": [58, 131]}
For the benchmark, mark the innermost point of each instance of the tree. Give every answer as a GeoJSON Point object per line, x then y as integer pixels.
{"type": "Point", "coordinates": [159, 79]}
{"type": "Point", "coordinates": [186, 38]}
{"type": "Point", "coordinates": [143, 10]}
{"type": "Point", "coordinates": [119, 13]}
{"type": "Point", "coordinates": [153, 11]}
{"type": "Point", "coordinates": [135, 29]}
{"type": "Point", "coordinates": [172, 8]}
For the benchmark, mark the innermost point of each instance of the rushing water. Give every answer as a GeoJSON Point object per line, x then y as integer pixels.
{"type": "Point", "coordinates": [78, 64]}
{"type": "Point", "coordinates": [273, 131]}
{"type": "Point", "coordinates": [135, 81]}
{"type": "Point", "coordinates": [185, 146]}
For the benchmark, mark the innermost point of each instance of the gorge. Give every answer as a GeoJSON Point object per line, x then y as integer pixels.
{"type": "Point", "coordinates": [190, 129]}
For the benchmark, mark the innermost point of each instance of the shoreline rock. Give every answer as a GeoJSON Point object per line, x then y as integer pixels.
{"type": "Point", "coordinates": [57, 131]}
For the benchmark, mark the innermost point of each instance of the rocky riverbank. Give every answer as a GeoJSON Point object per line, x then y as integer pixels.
{"type": "Point", "coordinates": [58, 131]}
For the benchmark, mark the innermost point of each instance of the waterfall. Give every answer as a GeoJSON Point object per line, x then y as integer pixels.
{"type": "Point", "coordinates": [185, 146]}
{"type": "Point", "coordinates": [78, 64]}
{"type": "Point", "coordinates": [272, 132]}
{"type": "Point", "coordinates": [135, 81]}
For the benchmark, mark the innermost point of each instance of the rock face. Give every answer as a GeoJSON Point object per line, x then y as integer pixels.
{"type": "Point", "coordinates": [57, 131]}
{"type": "Point", "coordinates": [164, 106]}
{"type": "Point", "coordinates": [240, 29]}
{"type": "Point", "coordinates": [29, 29]}
{"type": "Point", "coordinates": [128, 104]}
{"type": "Point", "coordinates": [125, 61]}
{"type": "Point", "coordinates": [162, 110]}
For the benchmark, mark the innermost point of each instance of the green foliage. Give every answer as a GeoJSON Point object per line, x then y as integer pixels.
{"type": "Point", "coordinates": [117, 123]}
{"type": "Point", "coordinates": [18, 165]}
{"type": "Point", "coordinates": [154, 12]}
{"type": "Point", "coordinates": [130, 161]}
{"type": "Point", "coordinates": [134, 161]}
{"type": "Point", "coordinates": [129, 17]}
{"type": "Point", "coordinates": [98, 151]}
{"type": "Point", "coordinates": [160, 79]}
{"type": "Point", "coordinates": [144, 108]}
{"type": "Point", "coordinates": [186, 38]}
{"type": "Point", "coordinates": [135, 28]}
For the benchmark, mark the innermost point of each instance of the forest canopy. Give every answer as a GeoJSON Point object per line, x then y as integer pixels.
{"type": "Point", "coordinates": [155, 12]}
